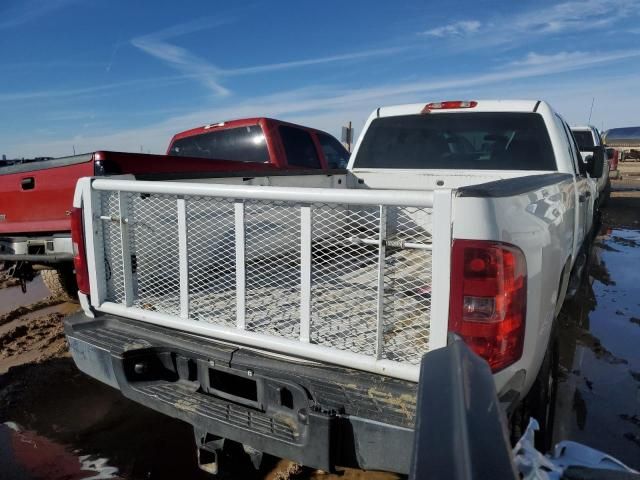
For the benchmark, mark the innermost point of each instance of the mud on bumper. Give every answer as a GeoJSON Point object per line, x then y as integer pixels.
{"type": "Point", "coordinates": [318, 415]}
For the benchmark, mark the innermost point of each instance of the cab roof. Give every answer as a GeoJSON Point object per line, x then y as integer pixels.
{"type": "Point", "coordinates": [480, 106]}
{"type": "Point", "coordinates": [241, 122]}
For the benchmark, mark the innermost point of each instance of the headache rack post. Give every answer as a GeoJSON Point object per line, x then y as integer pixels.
{"type": "Point", "coordinates": [382, 237]}
{"type": "Point", "coordinates": [89, 200]}
{"type": "Point", "coordinates": [123, 211]}
{"type": "Point", "coordinates": [183, 257]}
{"type": "Point", "coordinates": [238, 208]}
{"type": "Point", "coordinates": [441, 264]}
{"type": "Point", "coordinates": [305, 272]}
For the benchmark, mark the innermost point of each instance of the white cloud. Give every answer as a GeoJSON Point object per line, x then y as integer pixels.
{"type": "Point", "coordinates": [192, 66]}
{"type": "Point", "coordinates": [81, 91]}
{"type": "Point", "coordinates": [157, 45]}
{"type": "Point", "coordinates": [457, 29]}
{"type": "Point", "coordinates": [312, 61]}
{"type": "Point", "coordinates": [575, 15]}
{"type": "Point", "coordinates": [572, 60]}
{"type": "Point", "coordinates": [28, 11]}
{"type": "Point", "coordinates": [562, 18]}
{"type": "Point", "coordinates": [533, 58]}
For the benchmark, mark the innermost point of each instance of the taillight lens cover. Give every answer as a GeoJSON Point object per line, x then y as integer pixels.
{"type": "Point", "coordinates": [449, 105]}
{"type": "Point", "coordinates": [79, 254]}
{"type": "Point", "coordinates": [488, 299]}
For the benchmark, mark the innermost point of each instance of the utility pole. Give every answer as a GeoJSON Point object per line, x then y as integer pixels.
{"type": "Point", "coordinates": [347, 136]}
{"type": "Point", "coordinates": [591, 111]}
{"type": "Point", "coordinates": [74, 149]}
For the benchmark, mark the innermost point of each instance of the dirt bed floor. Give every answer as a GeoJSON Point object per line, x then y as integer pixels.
{"type": "Point", "coordinates": [57, 423]}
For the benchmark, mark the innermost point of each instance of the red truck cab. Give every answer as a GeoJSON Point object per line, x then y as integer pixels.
{"type": "Point", "coordinates": [262, 140]}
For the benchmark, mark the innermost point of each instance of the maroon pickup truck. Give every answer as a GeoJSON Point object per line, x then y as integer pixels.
{"type": "Point", "coordinates": [36, 197]}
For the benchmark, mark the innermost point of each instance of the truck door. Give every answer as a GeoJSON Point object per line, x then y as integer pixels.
{"type": "Point", "coordinates": [584, 191]}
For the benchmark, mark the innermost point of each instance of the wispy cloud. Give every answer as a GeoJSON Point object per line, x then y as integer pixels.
{"type": "Point", "coordinates": [566, 17]}
{"type": "Point", "coordinates": [312, 61]}
{"type": "Point", "coordinates": [572, 60]}
{"type": "Point", "coordinates": [192, 66]}
{"type": "Point", "coordinates": [575, 15]}
{"type": "Point", "coordinates": [327, 106]}
{"type": "Point", "coordinates": [145, 83]}
{"type": "Point", "coordinates": [533, 58]}
{"type": "Point", "coordinates": [457, 29]}
{"type": "Point", "coordinates": [157, 45]}
{"type": "Point", "coordinates": [30, 10]}
{"type": "Point", "coordinates": [52, 64]}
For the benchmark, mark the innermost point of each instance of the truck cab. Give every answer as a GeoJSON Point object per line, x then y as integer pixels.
{"type": "Point", "coordinates": [588, 138]}
{"type": "Point", "coordinates": [262, 140]}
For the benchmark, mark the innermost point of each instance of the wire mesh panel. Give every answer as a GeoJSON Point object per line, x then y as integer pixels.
{"type": "Point", "coordinates": [154, 229]}
{"type": "Point", "coordinates": [355, 278]}
{"type": "Point", "coordinates": [272, 263]}
{"type": "Point", "coordinates": [407, 285]}
{"type": "Point", "coordinates": [110, 207]}
{"type": "Point", "coordinates": [212, 260]}
{"type": "Point", "coordinates": [344, 277]}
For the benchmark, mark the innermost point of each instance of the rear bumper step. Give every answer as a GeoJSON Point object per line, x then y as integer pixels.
{"type": "Point", "coordinates": [317, 415]}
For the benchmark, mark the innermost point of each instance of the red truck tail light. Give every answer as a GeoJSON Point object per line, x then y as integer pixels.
{"type": "Point", "coordinates": [79, 254]}
{"type": "Point", "coordinates": [488, 301]}
{"type": "Point", "coordinates": [449, 105]}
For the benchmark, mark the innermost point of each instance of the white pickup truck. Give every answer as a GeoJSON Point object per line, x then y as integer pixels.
{"type": "Point", "coordinates": [290, 312]}
{"type": "Point", "coordinates": [588, 137]}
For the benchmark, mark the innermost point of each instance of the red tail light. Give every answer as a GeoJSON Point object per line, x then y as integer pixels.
{"type": "Point", "coordinates": [79, 255]}
{"type": "Point", "coordinates": [448, 105]}
{"type": "Point", "coordinates": [488, 300]}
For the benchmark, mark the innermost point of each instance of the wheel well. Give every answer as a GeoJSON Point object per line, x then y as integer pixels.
{"type": "Point", "coordinates": [563, 285]}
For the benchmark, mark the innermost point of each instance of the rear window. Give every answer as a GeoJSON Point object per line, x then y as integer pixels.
{"type": "Point", "coordinates": [242, 144]}
{"type": "Point", "coordinates": [478, 141]}
{"type": "Point", "coordinates": [584, 139]}
{"type": "Point", "coordinates": [337, 156]}
{"type": "Point", "coordinates": [299, 147]}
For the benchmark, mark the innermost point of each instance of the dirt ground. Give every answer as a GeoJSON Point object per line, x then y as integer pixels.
{"type": "Point", "coordinates": [56, 422]}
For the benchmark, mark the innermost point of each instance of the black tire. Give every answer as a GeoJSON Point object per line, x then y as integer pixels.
{"type": "Point", "coordinates": [61, 282]}
{"type": "Point", "coordinates": [540, 402]}
{"type": "Point", "coordinates": [606, 193]}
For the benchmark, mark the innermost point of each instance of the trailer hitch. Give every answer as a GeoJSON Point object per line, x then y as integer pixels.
{"type": "Point", "coordinates": [214, 452]}
{"type": "Point", "coordinates": [23, 271]}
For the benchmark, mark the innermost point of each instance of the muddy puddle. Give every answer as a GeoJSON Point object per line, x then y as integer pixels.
{"type": "Point", "coordinates": [13, 297]}
{"type": "Point", "coordinates": [599, 393]}
{"type": "Point", "coordinates": [28, 456]}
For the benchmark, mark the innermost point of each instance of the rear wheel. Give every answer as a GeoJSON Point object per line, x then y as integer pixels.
{"type": "Point", "coordinates": [606, 193]}
{"type": "Point", "coordinates": [540, 402]}
{"type": "Point", "coordinates": [61, 282]}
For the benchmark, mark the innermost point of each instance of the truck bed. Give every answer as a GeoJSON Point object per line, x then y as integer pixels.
{"type": "Point", "coordinates": [36, 197]}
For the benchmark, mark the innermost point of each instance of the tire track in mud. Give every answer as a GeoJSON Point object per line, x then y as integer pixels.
{"type": "Point", "coordinates": [33, 333]}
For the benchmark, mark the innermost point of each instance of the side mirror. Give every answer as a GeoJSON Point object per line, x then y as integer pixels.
{"type": "Point", "coordinates": [595, 162]}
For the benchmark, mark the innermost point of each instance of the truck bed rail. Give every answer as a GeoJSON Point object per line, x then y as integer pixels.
{"type": "Point", "coordinates": [352, 277]}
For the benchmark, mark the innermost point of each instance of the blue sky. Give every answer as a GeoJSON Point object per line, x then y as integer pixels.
{"type": "Point", "coordinates": [125, 75]}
